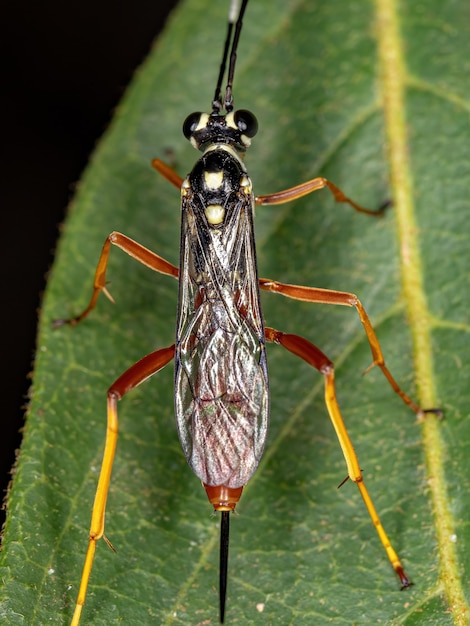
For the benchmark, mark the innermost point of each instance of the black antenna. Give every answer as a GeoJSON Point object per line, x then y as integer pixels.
{"type": "Point", "coordinates": [233, 58]}
{"type": "Point", "coordinates": [217, 102]}
{"type": "Point", "coordinates": [223, 565]}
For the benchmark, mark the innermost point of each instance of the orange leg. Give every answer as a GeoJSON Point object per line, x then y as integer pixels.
{"type": "Point", "coordinates": [314, 357]}
{"type": "Point", "coordinates": [136, 374]}
{"type": "Point", "coordinates": [167, 172]}
{"type": "Point", "coordinates": [314, 185]}
{"type": "Point", "coordinates": [327, 296]}
{"type": "Point", "coordinates": [133, 249]}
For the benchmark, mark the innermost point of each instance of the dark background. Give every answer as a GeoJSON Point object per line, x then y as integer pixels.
{"type": "Point", "coordinates": [66, 65]}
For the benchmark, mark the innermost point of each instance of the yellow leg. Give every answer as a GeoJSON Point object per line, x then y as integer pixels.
{"type": "Point", "coordinates": [136, 374]}
{"type": "Point", "coordinates": [355, 473]}
{"type": "Point", "coordinates": [315, 357]}
{"type": "Point", "coordinates": [99, 506]}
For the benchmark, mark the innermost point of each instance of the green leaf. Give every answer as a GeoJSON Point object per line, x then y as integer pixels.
{"type": "Point", "coordinates": [374, 97]}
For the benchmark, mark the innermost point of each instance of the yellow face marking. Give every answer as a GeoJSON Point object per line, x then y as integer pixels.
{"type": "Point", "coordinates": [213, 179]}
{"type": "Point", "coordinates": [246, 141]}
{"type": "Point", "coordinates": [203, 120]}
{"type": "Point", "coordinates": [215, 214]}
{"type": "Point", "coordinates": [230, 120]}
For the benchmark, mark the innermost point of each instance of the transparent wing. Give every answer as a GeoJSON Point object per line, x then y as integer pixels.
{"type": "Point", "coordinates": [221, 375]}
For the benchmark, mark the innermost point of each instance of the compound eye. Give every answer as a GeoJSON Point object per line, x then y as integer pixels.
{"type": "Point", "coordinates": [190, 124]}
{"type": "Point", "coordinates": [246, 122]}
